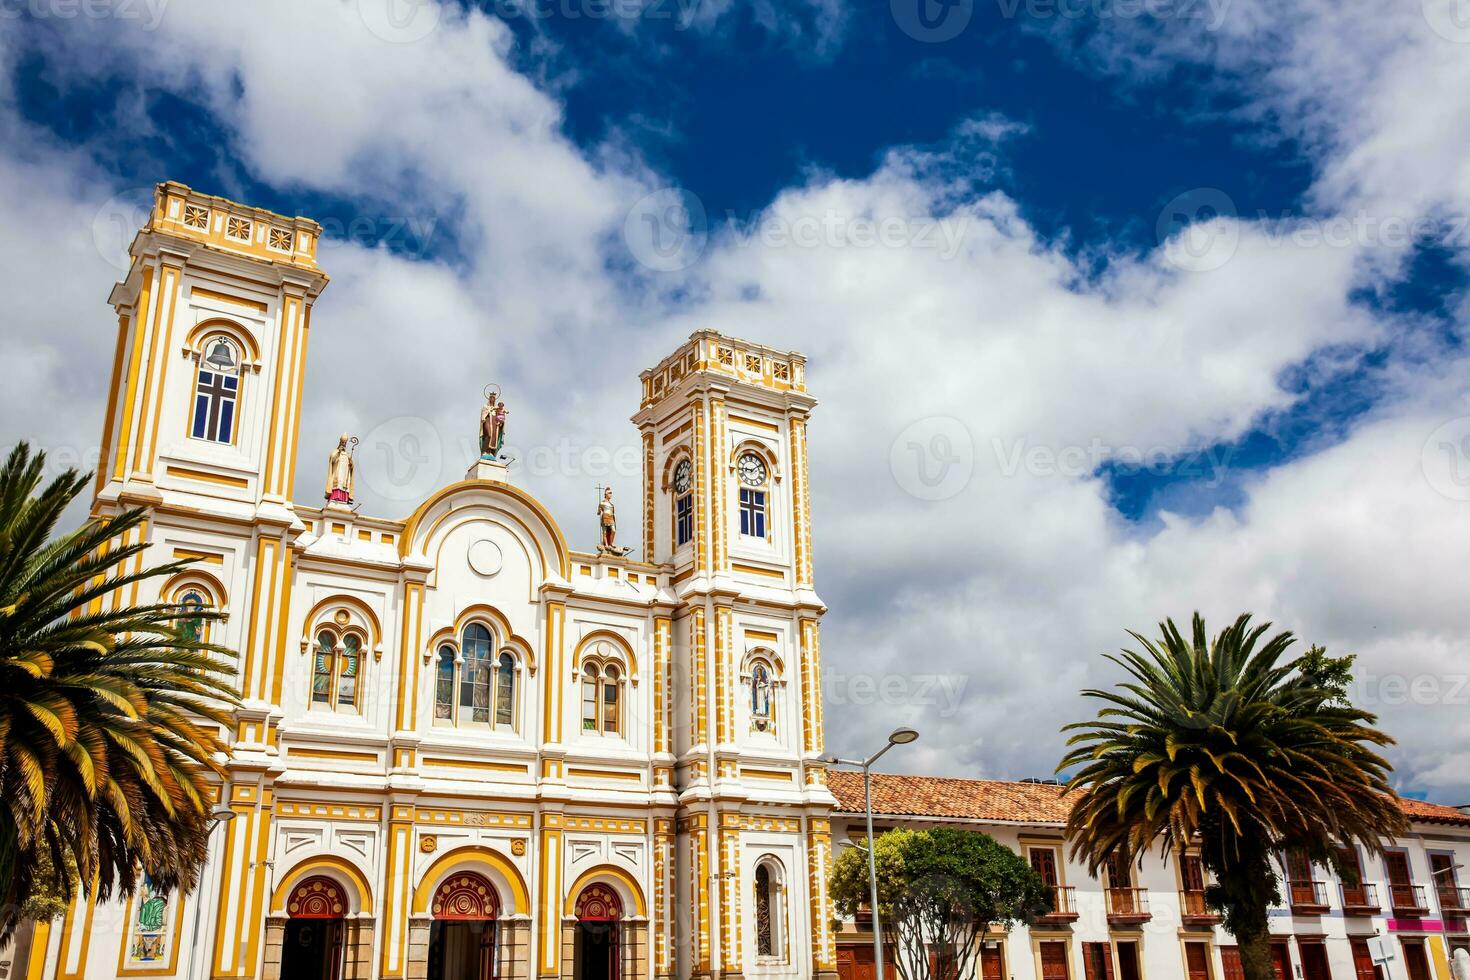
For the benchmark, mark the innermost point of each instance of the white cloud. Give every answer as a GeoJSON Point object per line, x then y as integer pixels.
{"type": "Point", "coordinates": [914, 300]}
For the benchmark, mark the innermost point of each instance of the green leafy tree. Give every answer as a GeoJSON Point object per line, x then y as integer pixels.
{"type": "Point", "coordinates": [1240, 747]}
{"type": "Point", "coordinates": [108, 714]}
{"type": "Point", "coordinates": [938, 892]}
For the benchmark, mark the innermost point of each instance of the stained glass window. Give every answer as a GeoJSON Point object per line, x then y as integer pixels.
{"type": "Point", "coordinates": [444, 685]}
{"type": "Point", "coordinates": [610, 719]}
{"type": "Point", "coordinates": [321, 668]}
{"type": "Point", "coordinates": [505, 690]}
{"type": "Point", "coordinates": [590, 677]}
{"type": "Point", "coordinates": [474, 681]}
{"type": "Point", "coordinates": [350, 663]}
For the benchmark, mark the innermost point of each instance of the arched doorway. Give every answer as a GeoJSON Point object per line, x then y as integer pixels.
{"type": "Point", "coordinates": [312, 946]}
{"type": "Point", "coordinates": [598, 944]}
{"type": "Point", "coordinates": [462, 938]}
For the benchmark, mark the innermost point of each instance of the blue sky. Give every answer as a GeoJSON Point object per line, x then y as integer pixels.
{"type": "Point", "coordinates": [1187, 288]}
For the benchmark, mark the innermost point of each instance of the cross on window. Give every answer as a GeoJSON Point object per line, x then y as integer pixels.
{"type": "Point", "coordinates": [214, 406]}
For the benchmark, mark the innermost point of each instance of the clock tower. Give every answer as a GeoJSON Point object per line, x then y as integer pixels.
{"type": "Point", "coordinates": [727, 508]}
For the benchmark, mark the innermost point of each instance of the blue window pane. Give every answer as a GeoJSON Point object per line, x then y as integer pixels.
{"type": "Point", "coordinates": [232, 383]}
{"type": "Point", "coordinates": [226, 420]}
{"type": "Point", "coordinates": [201, 416]}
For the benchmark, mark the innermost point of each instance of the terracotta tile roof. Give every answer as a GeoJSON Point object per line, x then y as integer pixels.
{"type": "Point", "coordinates": [1423, 812]}
{"type": "Point", "coordinates": [929, 796]}
{"type": "Point", "coordinates": [1012, 802]}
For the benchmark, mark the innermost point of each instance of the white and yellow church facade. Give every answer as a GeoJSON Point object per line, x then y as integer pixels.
{"type": "Point", "coordinates": [464, 749]}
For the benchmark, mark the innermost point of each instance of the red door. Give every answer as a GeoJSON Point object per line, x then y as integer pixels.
{"type": "Point", "coordinates": [1128, 968]}
{"type": "Point", "coordinates": [1363, 966]}
{"type": "Point", "coordinates": [1097, 961]}
{"type": "Point", "coordinates": [1314, 961]}
{"type": "Point", "coordinates": [1054, 961]}
{"type": "Point", "coordinates": [1415, 961]}
{"type": "Point", "coordinates": [992, 961]}
{"type": "Point", "coordinates": [1400, 881]}
{"type": "Point", "coordinates": [1230, 963]}
{"type": "Point", "coordinates": [1281, 957]}
{"type": "Point", "coordinates": [1353, 892]}
{"type": "Point", "coordinates": [855, 963]}
{"type": "Point", "coordinates": [1197, 960]}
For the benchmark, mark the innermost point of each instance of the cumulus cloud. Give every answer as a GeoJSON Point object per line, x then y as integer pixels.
{"type": "Point", "coordinates": [972, 373]}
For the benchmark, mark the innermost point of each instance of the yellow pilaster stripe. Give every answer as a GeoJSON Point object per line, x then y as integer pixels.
{"type": "Point", "coordinates": [719, 512]}
{"type": "Point", "coordinates": [410, 654]}
{"type": "Point", "coordinates": [167, 313]}
{"type": "Point", "coordinates": [284, 347]}
{"type": "Point", "coordinates": [663, 912]}
{"type": "Point", "coordinates": [252, 926]}
{"type": "Point", "coordinates": [699, 867]}
{"type": "Point", "coordinates": [551, 657]}
{"type": "Point", "coordinates": [549, 898]}
{"type": "Point", "coordinates": [648, 495]}
{"type": "Point", "coordinates": [235, 846]}
{"type": "Point", "coordinates": [395, 897]}
{"type": "Point", "coordinates": [131, 394]}
{"type": "Point", "coordinates": [109, 423]}
{"type": "Point", "coordinates": [40, 942]}
{"type": "Point", "coordinates": [1438, 951]}
{"type": "Point", "coordinates": [298, 387]}
{"type": "Point", "coordinates": [701, 493]}
{"type": "Point", "coordinates": [801, 502]}
{"type": "Point", "coordinates": [819, 865]}
{"type": "Point", "coordinates": [698, 656]}
{"type": "Point", "coordinates": [811, 686]}
{"type": "Point", "coordinates": [262, 611]}
{"type": "Point", "coordinates": [662, 735]}
{"type": "Point", "coordinates": [283, 616]}
{"type": "Point", "coordinates": [723, 701]}
{"type": "Point", "coordinates": [730, 893]}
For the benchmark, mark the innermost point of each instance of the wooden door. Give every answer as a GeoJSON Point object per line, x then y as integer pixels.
{"type": "Point", "coordinates": [1299, 879]}
{"type": "Point", "coordinates": [1044, 863]}
{"type": "Point", "coordinates": [855, 962]}
{"type": "Point", "coordinates": [1442, 873]}
{"type": "Point", "coordinates": [1230, 963]}
{"type": "Point", "coordinates": [992, 961]}
{"type": "Point", "coordinates": [1353, 892]}
{"type": "Point", "coordinates": [1197, 960]}
{"type": "Point", "coordinates": [1314, 961]}
{"type": "Point", "coordinates": [1415, 960]}
{"type": "Point", "coordinates": [1120, 872]}
{"type": "Point", "coordinates": [1054, 961]}
{"type": "Point", "coordinates": [1400, 880]}
{"type": "Point", "coordinates": [1281, 959]}
{"type": "Point", "coordinates": [1097, 961]}
{"type": "Point", "coordinates": [1363, 966]}
{"type": "Point", "coordinates": [1128, 968]}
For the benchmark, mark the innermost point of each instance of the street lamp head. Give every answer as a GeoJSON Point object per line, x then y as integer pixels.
{"type": "Point", "coordinates": [902, 736]}
{"type": "Point", "coordinates": [221, 814]}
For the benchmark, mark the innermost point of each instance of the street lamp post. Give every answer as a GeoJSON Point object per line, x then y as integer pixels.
{"type": "Point", "coordinates": [900, 736]}
{"type": "Point", "coordinates": [221, 815]}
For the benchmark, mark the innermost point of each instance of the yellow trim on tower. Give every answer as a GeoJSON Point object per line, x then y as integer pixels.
{"type": "Point", "coordinates": [484, 856]}
{"type": "Point", "coordinates": [604, 872]}
{"type": "Point", "coordinates": [326, 862]}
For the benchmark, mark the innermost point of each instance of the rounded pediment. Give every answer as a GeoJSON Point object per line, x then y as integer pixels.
{"type": "Point", "coordinates": [512, 521]}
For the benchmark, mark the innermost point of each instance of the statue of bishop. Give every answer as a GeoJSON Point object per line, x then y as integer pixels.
{"type": "Point", "coordinates": [341, 472]}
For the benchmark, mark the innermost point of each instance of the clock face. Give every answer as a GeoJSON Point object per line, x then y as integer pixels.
{"type": "Point", "coordinates": [752, 470]}
{"type": "Point", "coordinates": [681, 476]}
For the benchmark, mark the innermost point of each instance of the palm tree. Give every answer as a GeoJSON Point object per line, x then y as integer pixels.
{"type": "Point", "coordinates": [107, 753]}
{"type": "Point", "coordinates": [1232, 745]}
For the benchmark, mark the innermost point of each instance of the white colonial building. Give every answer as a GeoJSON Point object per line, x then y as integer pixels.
{"type": "Point", "coordinates": [1150, 922]}
{"type": "Point", "coordinates": [465, 749]}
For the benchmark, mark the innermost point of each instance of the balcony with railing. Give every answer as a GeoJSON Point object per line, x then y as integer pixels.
{"type": "Point", "coordinates": [1453, 900]}
{"type": "Point", "coordinates": [1063, 905]}
{"type": "Point", "coordinates": [1308, 897]}
{"type": "Point", "coordinates": [1408, 900]}
{"type": "Point", "coordinates": [1193, 911]}
{"type": "Point", "coordinates": [1127, 906]}
{"type": "Point", "coordinates": [1361, 899]}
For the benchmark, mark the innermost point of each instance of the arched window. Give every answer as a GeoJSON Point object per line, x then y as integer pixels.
{"type": "Point", "coordinates": [474, 678]}
{"type": "Point", "coordinates": [754, 478]}
{"type": "Point", "coordinates": [505, 691]}
{"type": "Point", "coordinates": [216, 392]}
{"type": "Point", "coordinates": [761, 690]}
{"type": "Point", "coordinates": [336, 671]}
{"type": "Point", "coordinates": [683, 487]}
{"type": "Point", "coordinates": [444, 685]}
{"type": "Point", "coordinates": [602, 698]}
{"type": "Point", "coordinates": [474, 687]}
{"type": "Point", "coordinates": [770, 923]}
